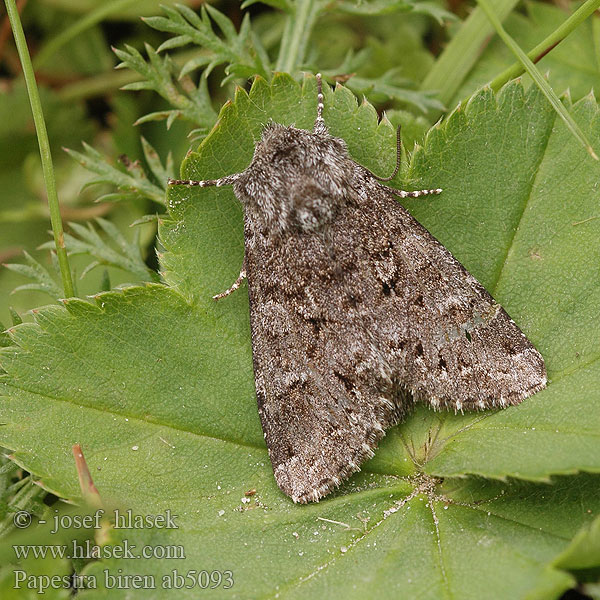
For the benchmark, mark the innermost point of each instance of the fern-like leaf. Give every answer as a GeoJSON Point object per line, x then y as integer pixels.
{"type": "Point", "coordinates": [116, 252]}
{"type": "Point", "coordinates": [241, 51]}
{"type": "Point", "coordinates": [134, 183]}
{"type": "Point", "coordinates": [160, 74]}
{"type": "Point", "coordinates": [43, 280]}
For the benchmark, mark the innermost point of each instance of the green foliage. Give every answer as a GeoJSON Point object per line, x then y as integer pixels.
{"type": "Point", "coordinates": [134, 183]}
{"type": "Point", "coordinates": [245, 56]}
{"type": "Point", "coordinates": [389, 86]}
{"type": "Point", "coordinates": [119, 373]}
{"type": "Point", "coordinates": [191, 102]}
{"type": "Point", "coordinates": [122, 254]}
{"type": "Point", "coordinates": [579, 76]}
{"type": "Point", "coordinates": [541, 82]}
{"type": "Point", "coordinates": [383, 7]}
{"type": "Point", "coordinates": [155, 380]}
{"type": "Point", "coordinates": [241, 52]}
{"type": "Point", "coordinates": [43, 281]}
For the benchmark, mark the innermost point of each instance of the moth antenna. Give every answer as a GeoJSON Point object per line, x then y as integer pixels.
{"type": "Point", "coordinates": [320, 126]}
{"type": "Point", "coordinates": [398, 158]}
{"type": "Point", "coordinates": [229, 180]}
{"type": "Point", "coordinates": [415, 194]}
{"type": "Point", "coordinates": [402, 193]}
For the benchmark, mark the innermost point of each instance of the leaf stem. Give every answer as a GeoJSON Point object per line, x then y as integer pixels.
{"type": "Point", "coordinates": [296, 35]}
{"type": "Point", "coordinates": [538, 78]}
{"type": "Point", "coordinates": [548, 44]}
{"type": "Point", "coordinates": [44, 144]}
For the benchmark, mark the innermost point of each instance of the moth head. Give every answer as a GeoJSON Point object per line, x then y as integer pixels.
{"type": "Point", "coordinates": [297, 178]}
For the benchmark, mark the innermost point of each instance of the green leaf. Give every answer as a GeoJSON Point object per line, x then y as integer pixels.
{"type": "Point", "coordinates": [133, 181]}
{"type": "Point", "coordinates": [161, 172]}
{"type": "Point", "coordinates": [463, 51]}
{"type": "Point", "coordinates": [31, 577]}
{"type": "Point", "coordinates": [384, 7]}
{"type": "Point", "coordinates": [582, 559]}
{"type": "Point", "coordinates": [538, 78]}
{"type": "Point", "coordinates": [413, 128]}
{"type": "Point", "coordinates": [541, 49]}
{"type": "Point", "coordinates": [387, 86]}
{"type": "Point", "coordinates": [120, 253]}
{"type": "Point", "coordinates": [384, 86]}
{"type": "Point", "coordinates": [579, 76]}
{"type": "Point", "coordinates": [160, 74]}
{"type": "Point", "coordinates": [43, 280]}
{"type": "Point", "coordinates": [14, 315]}
{"type": "Point", "coordinates": [156, 382]}
{"type": "Point", "coordinates": [236, 50]}
{"type": "Point", "coordinates": [584, 550]}
{"type": "Point", "coordinates": [103, 11]}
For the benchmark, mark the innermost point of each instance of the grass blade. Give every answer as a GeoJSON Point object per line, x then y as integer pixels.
{"type": "Point", "coordinates": [44, 144]}
{"type": "Point", "coordinates": [538, 78]}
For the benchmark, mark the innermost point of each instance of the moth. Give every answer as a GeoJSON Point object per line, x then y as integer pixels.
{"type": "Point", "coordinates": [356, 311]}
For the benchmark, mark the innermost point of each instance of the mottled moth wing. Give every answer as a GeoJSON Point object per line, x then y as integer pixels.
{"type": "Point", "coordinates": [324, 388]}
{"type": "Point", "coordinates": [447, 340]}
{"type": "Point", "coordinates": [347, 319]}
{"type": "Point", "coordinates": [356, 311]}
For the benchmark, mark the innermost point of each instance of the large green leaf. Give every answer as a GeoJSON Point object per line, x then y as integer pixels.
{"type": "Point", "coordinates": [156, 382]}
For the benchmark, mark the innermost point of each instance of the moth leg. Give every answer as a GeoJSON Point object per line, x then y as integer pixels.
{"type": "Point", "coordinates": [235, 286]}
{"type": "Point", "coordinates": [228, 180]}
{"type": "Point", "coordinates": [415, 194]}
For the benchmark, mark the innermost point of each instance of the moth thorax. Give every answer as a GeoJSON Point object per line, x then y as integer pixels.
{"type": "Point", "coordinates": [301, 192]}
